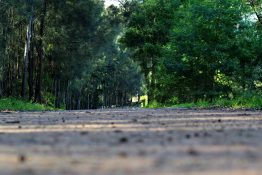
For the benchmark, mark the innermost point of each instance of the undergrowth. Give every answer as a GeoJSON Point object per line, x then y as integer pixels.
{"type": "Point", "coordinates": [247, 101]}
{"type": "Point", "coordinates": [20, 105]}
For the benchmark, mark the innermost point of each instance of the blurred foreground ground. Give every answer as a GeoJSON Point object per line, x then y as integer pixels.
{"type": "Point", "coordinates": [131, 142]}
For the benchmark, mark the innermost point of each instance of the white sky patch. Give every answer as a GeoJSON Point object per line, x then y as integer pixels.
{"type": "Point", "coordinates": [110, 2]}
{"type": "Point", "coordinates": [253, 18]}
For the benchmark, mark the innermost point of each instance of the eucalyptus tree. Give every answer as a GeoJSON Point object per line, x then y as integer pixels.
{"type": "Point", "coordinates": [12, 29]}
{"type": "Point", "coordinates": [70, 46]}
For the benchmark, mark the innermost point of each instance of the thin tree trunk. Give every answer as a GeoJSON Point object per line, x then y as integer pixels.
{"type": "Point", "coordinates": [88, 101]}
{"type": "Point", "coordinates": [23, 92]}
{"type": "Point", "coordinates": [57, 94]}
{"type": "Point", "coordinates": [79, 101]}
{"type": "Point", "coordinates": [66, 96]}
{"type": "Point", "coordinates": [26, 55]}
{"type": "Point", "coordinates": [31, 74]}
{"type": "Point", "coordinates": [38, 89]}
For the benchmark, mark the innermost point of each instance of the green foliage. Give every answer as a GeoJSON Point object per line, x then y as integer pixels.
{"type": "Point", "coordinates": [154, 104]}
{"type": "Point", "coordinates": [49, 99]}
{"type": "Point", "coordinates": [202, 42]}
{"type": "Point", "coordinates": [148, 29]}
{"type": "Point", "coordinates": [209, 50]}
{"type": "Point", "coordinates": [245, 100]}
{"type": "Point", "coordinates": [20, 105]}
{"type": "Point", "coordinates": [198, 52]}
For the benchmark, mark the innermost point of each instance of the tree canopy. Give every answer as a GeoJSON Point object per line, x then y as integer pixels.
{"type": "Point", "coordinates": [77, 54]}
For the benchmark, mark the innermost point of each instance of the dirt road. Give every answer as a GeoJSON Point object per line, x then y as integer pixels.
{"type": "Point", "coordinates": [131, 142]}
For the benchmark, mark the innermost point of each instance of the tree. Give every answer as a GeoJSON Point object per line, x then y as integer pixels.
{"type": "Point", "coordinates": [147, 30]}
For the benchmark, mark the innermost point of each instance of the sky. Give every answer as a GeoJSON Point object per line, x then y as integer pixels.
{"type": "Point", "coordinates": [109, 2]}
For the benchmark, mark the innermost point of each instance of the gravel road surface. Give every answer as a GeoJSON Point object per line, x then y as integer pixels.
{"type": "Point", "coordinates": [131, 142]}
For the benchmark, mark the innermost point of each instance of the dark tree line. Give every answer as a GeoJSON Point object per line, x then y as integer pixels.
{"type": "Point", "coordinates": [64, 54]}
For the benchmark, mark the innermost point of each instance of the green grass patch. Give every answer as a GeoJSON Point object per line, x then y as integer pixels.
{"type": "Point", "coordinates": [244, 101]}
{"type": "Point", "coordinates": [199, 104]}
{"type": "Point", "coordinates": [21, 105]}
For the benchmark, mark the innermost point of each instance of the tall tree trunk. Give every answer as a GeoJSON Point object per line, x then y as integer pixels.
{"type": "Point", "coordinates": [26, 55]}
{"type": "Point", "coordinates": [88, 101]}
{"type": "Point", "coordinates": [38, 88]}
{"type": "Point", "coordinates": [31, 71]}
{"type": "Point", "coordinates": [57, 93]}
{"type": "Point", "coordinates": [79, 100]}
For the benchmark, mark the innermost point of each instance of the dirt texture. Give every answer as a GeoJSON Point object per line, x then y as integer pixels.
{"type": "Point", "coordinates": [131, 142]}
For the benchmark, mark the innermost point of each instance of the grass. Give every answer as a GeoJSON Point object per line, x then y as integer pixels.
{"type": "Point", "coordinates": [245, 101]}
{"type": "Point", "coordinates": [252, 102]}
{"type": "Point", "coordinates": [13, 104]}
{"type": "Point", "coordinates": [199, 104]}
